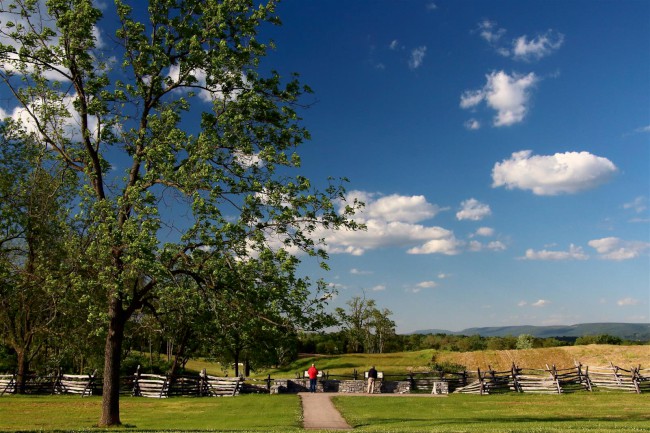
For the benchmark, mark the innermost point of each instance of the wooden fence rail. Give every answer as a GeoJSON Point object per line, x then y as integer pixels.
{"type": "Point", "coordinates": [550, 380]}
{"type": "Point", "coordinates": [81, 384]}
{"type": "Point", "coordinates": [554, 381]}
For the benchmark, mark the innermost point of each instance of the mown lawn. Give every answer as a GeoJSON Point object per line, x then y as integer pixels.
{"type": "Point", "coordinates": [599, 412]}
{"type": "Point", "coordinates": [73, 413]}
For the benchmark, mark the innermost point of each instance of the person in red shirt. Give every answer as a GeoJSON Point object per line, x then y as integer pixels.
{"type": "Point", "coordinates": [313, 374]}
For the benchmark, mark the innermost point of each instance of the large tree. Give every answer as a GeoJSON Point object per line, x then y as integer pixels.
{"type": "Point", "coordinates": [182, 143]}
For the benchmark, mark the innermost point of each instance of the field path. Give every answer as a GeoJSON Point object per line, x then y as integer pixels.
{"type": "Point", "coordinates": [319, 412]}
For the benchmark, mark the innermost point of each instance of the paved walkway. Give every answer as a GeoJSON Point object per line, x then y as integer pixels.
{"type": "Point", "coordinates": [319, 412]}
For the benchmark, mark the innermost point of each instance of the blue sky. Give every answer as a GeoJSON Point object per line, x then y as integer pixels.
{"type": "Point", "coordinates": [502, 149]}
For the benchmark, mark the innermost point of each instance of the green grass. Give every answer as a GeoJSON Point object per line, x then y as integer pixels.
{"type": "Point", "coordinates": [599, 412]}
{"type": "Point", "coordinates": [581, 412]}
{"type": "Point", "coordinates": [73, 413]}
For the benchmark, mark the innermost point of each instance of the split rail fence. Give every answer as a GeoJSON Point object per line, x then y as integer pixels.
{"type": "Point", "coordinates": [139, 385]}
{"type": "Point", "coordinates": [558, 381]}
{"type": "Point", "coordinates": [550, 380]}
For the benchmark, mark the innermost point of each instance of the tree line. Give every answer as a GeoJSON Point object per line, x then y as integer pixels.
{"type": "Point", "coordinates": [340, 342]}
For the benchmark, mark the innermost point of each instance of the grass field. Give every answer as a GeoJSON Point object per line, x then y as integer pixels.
{"type": "Point", "coordinates": [581, 412]}
{"type": "Point", "coordinates": [594, 413]}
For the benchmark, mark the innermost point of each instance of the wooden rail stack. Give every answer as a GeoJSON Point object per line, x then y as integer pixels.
{"type": "Point", "coordinates": [214, 386]}
{"type": "Point", "coordinates": [614, 377]}
{"type": "Point", "coordinates": [7, 383]}
{"type": "Point", "coordinates": [490, 382]}
{"type": "Point", "coordinates": [81, 384]}
{"type": "Point", "coordinates": [150, 385]}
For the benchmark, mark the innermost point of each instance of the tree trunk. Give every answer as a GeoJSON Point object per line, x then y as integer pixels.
{"type": "Point", "coordinates": [180, 349]}
{"type": "Point", "coordinates": [21, 378]}
{"type": "Point", "coordinates": [236, 362]}
{"type": "Point", "coordinates": [112, 363]}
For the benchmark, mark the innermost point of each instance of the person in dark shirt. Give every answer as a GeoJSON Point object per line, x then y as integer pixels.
{"type": "Point", "coordinates": [372, 377]}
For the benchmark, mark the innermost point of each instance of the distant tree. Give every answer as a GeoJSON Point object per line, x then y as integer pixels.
{"type": "Point", "coordinates": [598, 339]}
{"type": "Point", "coordinates": [501, 343]}
{"type": "Point", "coordinates": [366, 327]}
{"type": "Point", "coordinates": [525, 341]}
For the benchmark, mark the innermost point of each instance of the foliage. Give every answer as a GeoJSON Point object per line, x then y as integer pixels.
{"type": "Point", "coordinates": [598, 339]}
{"type": "Point", "coordinates": [367, 328]}
{"type": "Point", "coordinates": [525, 341]}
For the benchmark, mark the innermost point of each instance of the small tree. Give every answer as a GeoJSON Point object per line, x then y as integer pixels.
{"type": "Point", "coordinates": [525, 341]}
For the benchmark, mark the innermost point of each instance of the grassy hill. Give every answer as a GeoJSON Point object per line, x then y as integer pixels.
{"type": "Point", "coordinates": [403, 362]}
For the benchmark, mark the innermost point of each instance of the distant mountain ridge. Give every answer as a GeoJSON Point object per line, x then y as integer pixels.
{"type": "Point", "coordinates": [627, 331]}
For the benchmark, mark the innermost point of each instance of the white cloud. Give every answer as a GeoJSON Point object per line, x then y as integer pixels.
{"type": "Point", "coordinates": [394, 44]}
{"type": "Point", "coordinates": [522, 304]}
{"type": "Point", "coordinates": [485, 231]}
{"type": "Point", "coordinates": [627, 302]}
{"type": "Point", "coordinates": [417, 56]}
{"type": "Point", "coordinates": [449, 246]}
{"type": "Point", "coordinates": [431, 6]}
{"type": "Point", "coordinates": [643, 129]}
{"type": "Point", "coordinates": [473, 210]}
{"type": "Point", "coordinates": [538, 47]}
{"type": "Point", "coordinates": [476, 246]}
{"type": "Point", "coordinates": [443, 276]}
{"type": "Point", "coordinates": [490, 32]}
{"type": "Point", "coordinates": [574, 253]}
{"type": "Point", "coordinates": [509, 95]}
{"type": "Point", "coordinates": [355, 271]}
{"type": "Point", "coordinates": [394, 222]}
{"type": "Point", "coordinates": [496, 246]}
{"type": "Point", "coordinates": [540, 303]}
{"type": "Point", "coordinates": [473, 125]}
{"type": "Point", "coordinates": [520, 48]}
{"type": "Point", "coordinates": [378, 288]}
{"type": "Point", "coordinates": [422, 285]}
{"type": "Point", "coordinates": [561, 173]}
{"type": "Point", "coordinates": [395, 207]}
{"type": "Point", "coordinates": [391, 223]}
{"type": "Point", "coordinates": [613, 248]}
{"type": "Point", "coordinates": [639, 204]}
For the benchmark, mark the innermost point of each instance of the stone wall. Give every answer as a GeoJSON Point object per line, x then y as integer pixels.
{"type": "Point", "coordinates": [280, 386]}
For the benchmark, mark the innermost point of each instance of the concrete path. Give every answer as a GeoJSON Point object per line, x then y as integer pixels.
{"type": "Point", "coordinates": [319, 413]}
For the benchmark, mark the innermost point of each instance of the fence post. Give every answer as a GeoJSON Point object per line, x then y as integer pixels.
{"type": "Point", "coordinates": [268, 383]}
{"type": "Point", "coordinates": [202, 382]}
{"type": "Point", "coordinates": [136, 386]}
